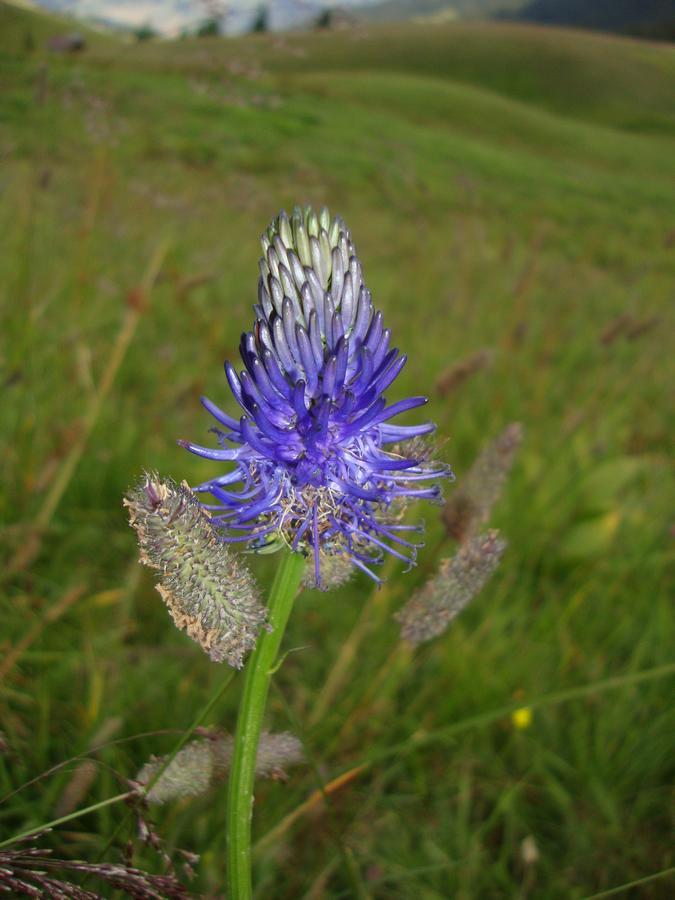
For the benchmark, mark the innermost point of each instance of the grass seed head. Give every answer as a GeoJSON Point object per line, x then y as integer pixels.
{"type": "Point", "coordinates": [458, 580]}
{"type": "Point", "coordinates": [336, 570]}
{"type": "Point", "coordinates": [203, 763]}
{"type": "Point", "coordinates": [462, 370]}
{"type": "Point", "coordinates": [28, 870]}
{"type": "Point", "coordinates": [209, 593]}
{"type": "Point", "coordinates": [470, 505]}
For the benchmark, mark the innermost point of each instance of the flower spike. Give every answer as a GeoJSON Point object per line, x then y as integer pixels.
{"type": "Point", "coordinates": [318, 466]}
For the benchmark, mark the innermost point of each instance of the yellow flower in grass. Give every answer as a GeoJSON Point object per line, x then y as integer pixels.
{"type": "Point", "coordinates": [521, 718]}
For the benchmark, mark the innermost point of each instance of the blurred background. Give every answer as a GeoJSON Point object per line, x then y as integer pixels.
{"type": "Point", "coordinates": [507, 170]}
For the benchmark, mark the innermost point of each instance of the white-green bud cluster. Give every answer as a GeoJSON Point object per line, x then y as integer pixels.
{"type": "Point", "coordinates": [207, 590]}
{"type": "Point", "coordinates": [323, 259]}
{"type": "Point", "coordinates": [458, 580]}
{"type": "Point", "coordinates": [203, 763]}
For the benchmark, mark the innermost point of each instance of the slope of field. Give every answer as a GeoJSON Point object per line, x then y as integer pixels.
{"type": "Point", "coordinates": [621, 82]}
{"type": "Point", "coordinates": [401, 10]}
{"type": "Point", "coordinates": [24, 28]}
{"type": "Point", "coordinates": [510, 190]}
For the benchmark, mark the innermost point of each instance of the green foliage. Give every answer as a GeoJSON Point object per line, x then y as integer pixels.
{"type": "Point", "coordinates": [260, 21]}
{"type": "Point", "coordinates": [325, 19]}
{"type": "Point", "coordinates": [507, 189]}
{"type": "Point", "coordinates": [208, 28]}
{"type": "Point", "coordinates": [145, 33]}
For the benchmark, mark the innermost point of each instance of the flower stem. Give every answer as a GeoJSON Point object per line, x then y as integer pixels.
{"type": "Point", "coordinates": [259, 670]}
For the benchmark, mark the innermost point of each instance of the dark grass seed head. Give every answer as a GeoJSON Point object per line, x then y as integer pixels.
{"type": "Point", "coordinates": [458, 580]}
{"type": "Point", "coordinates": [28, 870]}
{"type": "Point", "coordinates": [470, 505]}
{"type": "Point", "coordinates": [209, 593]}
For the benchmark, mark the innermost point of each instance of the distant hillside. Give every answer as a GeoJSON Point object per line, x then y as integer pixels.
{"type": "Point", "coordinates": [401, 10]}
{"type": "Point", "coordinates": [655, 18]}
{"type": "Point", "coordinates": [25, 29]}
{"type": "Point", "coordinates": [648, 18]}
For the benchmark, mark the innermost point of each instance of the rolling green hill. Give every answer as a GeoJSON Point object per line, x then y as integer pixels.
{"type": "Point", "coordinates": [25, 29]}
{"type": "Point", "coordinates": [511, 191]}
{"type": "Point", "coordinates": [401, 10]}
{"type": "Point", "coordinates": [653, 18]}
{"type": "Point", "coordinates": [609, 80]}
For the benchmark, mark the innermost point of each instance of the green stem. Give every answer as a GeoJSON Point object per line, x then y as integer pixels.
{"type": "Point", "coordinates": [259, 670]}
{"type": "Point", "coordinates": [46, 826]}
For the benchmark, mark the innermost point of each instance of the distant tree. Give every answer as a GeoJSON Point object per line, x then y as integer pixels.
{"type": "Point", "coordinates": [28, 42]}
{"type": "Point", "coordinates": [208, 28]}
{"type": "Point", "coordinates": [215, 11]}
{"type": "Point", "coordinates": [334, 17]}
{"type": "Point", "coordinates": [261, 22]}
{"type": "Point", "coordinates": [325, 19]}
{"type": "Point", "coordinates": [145, 33]}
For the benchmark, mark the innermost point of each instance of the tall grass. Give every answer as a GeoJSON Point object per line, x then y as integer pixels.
{"type": "Point", "coordinates": [493, 216]}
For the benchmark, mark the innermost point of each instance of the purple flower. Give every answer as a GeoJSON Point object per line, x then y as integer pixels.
{"type": "Point", "coordinates": [317, 463]}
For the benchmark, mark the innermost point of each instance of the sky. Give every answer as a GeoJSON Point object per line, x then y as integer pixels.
{"type": "Point", "coordinates": [171, 16]}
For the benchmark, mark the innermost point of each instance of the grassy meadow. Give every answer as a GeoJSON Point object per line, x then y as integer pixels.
{"type": "Point", "coordinates": [510, 190]}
